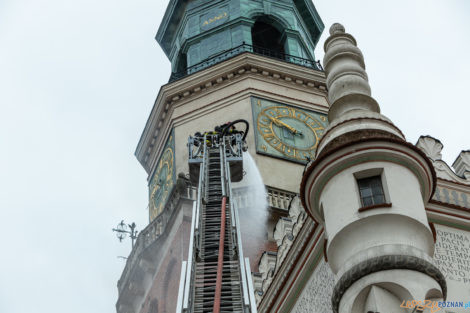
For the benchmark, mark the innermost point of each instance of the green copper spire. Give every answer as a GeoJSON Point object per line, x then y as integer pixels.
{"type": "Point", "coordinates": [195, 34]}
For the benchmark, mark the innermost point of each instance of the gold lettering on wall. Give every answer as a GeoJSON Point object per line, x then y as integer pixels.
{"type": "Point", "coordinates": [215, 18]}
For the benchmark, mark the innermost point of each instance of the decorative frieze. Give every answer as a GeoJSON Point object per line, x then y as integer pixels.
{"type": "Point", "coordinates": [283, 228]}
{"type": "Point", "coordinates": [285, 233]}
{"type": "Point", "coordinates": [452, 196]}
{"type": "Point", "coordinates": [385, 263]}
{"type": "Point", "coordinates": [267, 264]}
{"type": "Point", "coordinates": [253, 70]}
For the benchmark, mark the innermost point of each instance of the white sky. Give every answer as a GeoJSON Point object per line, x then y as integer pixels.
{"type": "Point", "coordinates": [77, 82]}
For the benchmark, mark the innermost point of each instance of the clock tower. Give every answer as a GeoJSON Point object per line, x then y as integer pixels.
{"type": "Point", "coordinates": [232, 59]}
{"type": "Point", "coordinates": [381, 224]}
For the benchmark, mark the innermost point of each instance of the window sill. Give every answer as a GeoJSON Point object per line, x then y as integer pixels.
{"type": "Point", "coordinates": [375, 206]}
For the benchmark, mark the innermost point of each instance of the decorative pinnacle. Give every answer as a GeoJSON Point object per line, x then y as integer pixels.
{"type": "Point", "coordinates": [337, 28]}
{"type": "Point", "coordinates": [346, 77]}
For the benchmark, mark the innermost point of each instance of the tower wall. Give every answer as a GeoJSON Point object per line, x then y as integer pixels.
{"type": "Point", "coordinates": [224, 92]}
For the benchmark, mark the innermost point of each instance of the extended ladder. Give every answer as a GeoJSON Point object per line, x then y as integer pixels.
{"type": "Point", "coordinates": [216, 277]}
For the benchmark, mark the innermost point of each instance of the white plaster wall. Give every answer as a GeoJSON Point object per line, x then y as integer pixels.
{"type": "Point", "coordinates": [405, 223]}
{"type": "Point", "coordinates": [383, 234]}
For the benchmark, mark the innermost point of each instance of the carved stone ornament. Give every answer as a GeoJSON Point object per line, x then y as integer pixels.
{"type": "Point", "coordinates": [462, 164]}
{"type": "Point", "coordinates": [285, 233]}
{"type": "Point", "coordinates": [431, 147]}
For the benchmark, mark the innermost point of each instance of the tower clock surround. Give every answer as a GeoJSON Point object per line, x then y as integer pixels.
{"type": "Point", "coordinates": [286, 131]}
{"type": "Point", "coordinates": [163, 179]}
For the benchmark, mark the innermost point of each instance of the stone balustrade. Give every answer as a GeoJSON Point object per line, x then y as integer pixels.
{"type": "Point", "coordinates": [279, 199]}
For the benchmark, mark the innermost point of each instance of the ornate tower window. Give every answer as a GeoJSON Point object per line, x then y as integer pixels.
{"type": "Point", "coordinates": [267, 39]}
{"type": "Point", "coordinates": [371, 191]}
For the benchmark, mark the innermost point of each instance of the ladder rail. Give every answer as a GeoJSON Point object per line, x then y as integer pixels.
{"type": "Point", "coordinates": [179, 302]}
{"type": "Point", "coordinates": [202, 180]}
{"type": "Point", "coordinates": [251, 289]}
{"type": "Point", "coordinates": [246, 299]}
{"type": "Point", "coordinates": [229, 190]}
{"type": "Point", "coordinates": [222, 168]}
{"type": "Point", "coordinates": [235, 224]}
{"type": "Point", "coordinates": [220, 261]}
{"type": "Point", "coordinates": [186, 303]}
{"type": "Point", "coordinates": [190, 267]}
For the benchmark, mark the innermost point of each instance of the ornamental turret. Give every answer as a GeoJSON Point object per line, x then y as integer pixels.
{"type": "Point", "coordinates": [369, 188]}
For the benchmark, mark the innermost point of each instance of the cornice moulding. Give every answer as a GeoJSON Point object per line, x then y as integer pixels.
{"type": "Point", "coordinates": [243, 65]}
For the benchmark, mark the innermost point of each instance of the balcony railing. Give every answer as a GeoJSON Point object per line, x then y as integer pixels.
{"type": "Point", "coordinates": [246, 48]}
{"type": "Point", "coordinates": [276, 198]}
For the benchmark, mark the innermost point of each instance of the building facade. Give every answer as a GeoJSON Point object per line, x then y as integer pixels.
{"type": "Point", "coordinates": [327, 241]}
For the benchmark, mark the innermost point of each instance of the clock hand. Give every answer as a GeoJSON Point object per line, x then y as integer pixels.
{"type": "Point", "coordinates": [282, 124]}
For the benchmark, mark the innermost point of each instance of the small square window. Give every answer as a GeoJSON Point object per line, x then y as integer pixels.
{"type": "Point", "coordinates": [371, 191]}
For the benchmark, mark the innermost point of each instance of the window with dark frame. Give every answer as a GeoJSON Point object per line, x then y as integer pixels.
{"type": "Point", "coordinates": [371, 191]}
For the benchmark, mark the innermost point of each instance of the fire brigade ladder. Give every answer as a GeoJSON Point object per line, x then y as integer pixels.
{"type": "Point", "coordinates": [207, 262]}
{"type": "Point", "coordinates": [216, 278]}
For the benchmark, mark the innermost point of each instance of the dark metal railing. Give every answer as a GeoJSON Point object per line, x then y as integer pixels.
{"type": "Point", "coordinates": [246, 48]}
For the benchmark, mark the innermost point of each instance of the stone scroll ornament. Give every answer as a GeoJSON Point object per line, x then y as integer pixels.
{"type": "Point", "coordinates": [383, 263]}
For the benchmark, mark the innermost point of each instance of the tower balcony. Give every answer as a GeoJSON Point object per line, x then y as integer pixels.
{"type": "Point", "coordinates": [246, 48]}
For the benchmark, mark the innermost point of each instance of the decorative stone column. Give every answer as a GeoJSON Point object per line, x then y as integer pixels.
{"type": "Point", "coordinates": [369, 187]}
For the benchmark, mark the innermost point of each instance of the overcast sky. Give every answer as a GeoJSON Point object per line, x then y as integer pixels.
{"type": "Point", "coordinates": [77, 82]}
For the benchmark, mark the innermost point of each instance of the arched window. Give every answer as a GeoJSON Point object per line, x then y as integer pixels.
{"type": "Point", "coordinates": [153, 306]}
{"type": "Point", "coordinates": [267, 39]}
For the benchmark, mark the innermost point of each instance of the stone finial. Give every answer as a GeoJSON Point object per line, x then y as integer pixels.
{"type": "Point", "coordinates": [462, 164]}
{"type": "Point", "coordinates": [337, 28]}
{"type": "Point", "coordinates": [347, 81]}
{"type": "Point", "coordinates": [432, 147]}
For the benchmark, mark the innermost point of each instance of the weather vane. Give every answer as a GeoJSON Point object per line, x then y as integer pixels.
{"type": "Point", "coordinates": [122, 230]}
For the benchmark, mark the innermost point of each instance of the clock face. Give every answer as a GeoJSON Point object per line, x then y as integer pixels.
{"type": "Point", "coordinates": [163, 181]}
{"type": "Point", "coordinates": [286, 131]}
